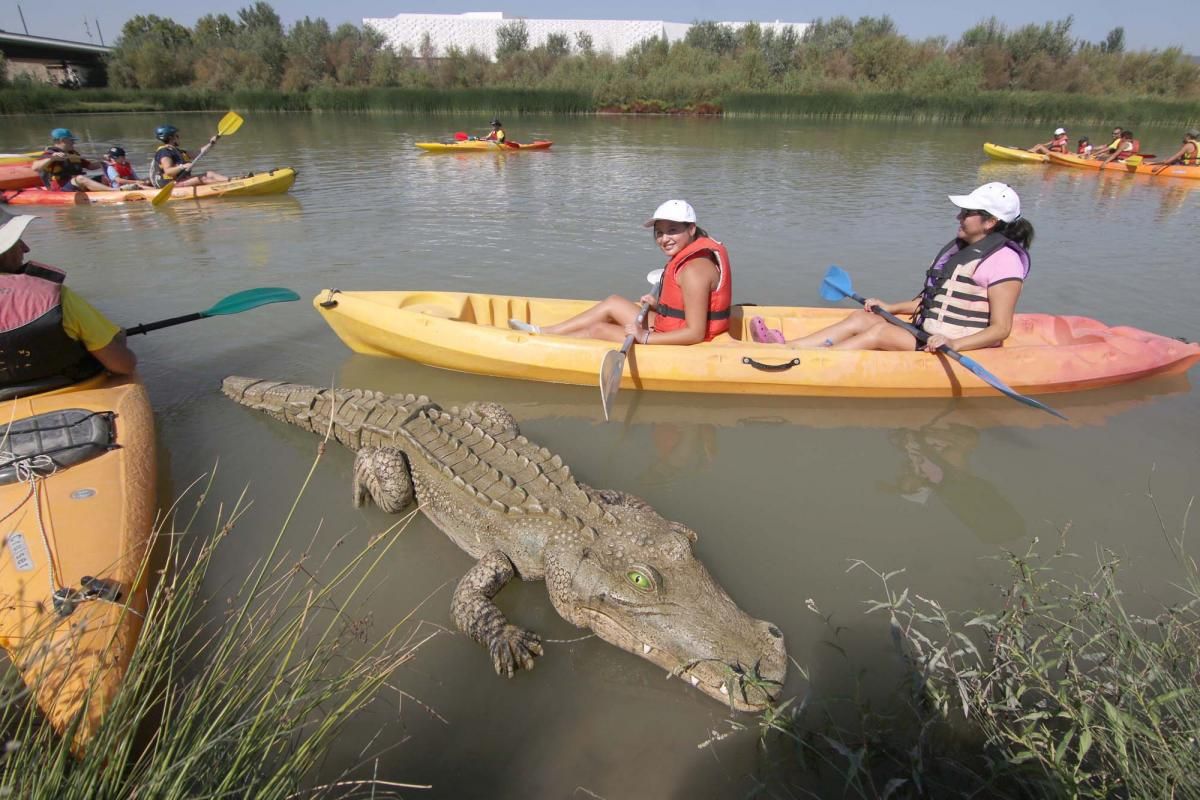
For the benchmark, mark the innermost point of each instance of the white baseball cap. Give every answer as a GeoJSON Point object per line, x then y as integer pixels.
{"type": "Point", "coordinates": [673, 210]}
{"type": "Point", "coordinates": [12, 228]}
{"type": "Point", "coordinates": [1059, 131]}
{"type": "Point", "coordinates": [998, 199]}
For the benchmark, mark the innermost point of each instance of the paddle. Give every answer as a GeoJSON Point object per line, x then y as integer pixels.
{"type": "Point", "coordinates": [613, 365]}
{"type": "Point", "coordinates": [228, 125]}
{"type": "Point", "coordinates": [233, 304]}
{"type": "Point", "coordinates": [837, 285]}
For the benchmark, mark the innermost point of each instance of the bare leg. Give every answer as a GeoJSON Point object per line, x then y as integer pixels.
{"type": "Point", "coordinates": [213, 177]}
{"type": "Point", "coordinates": [1037, 148]}
{"type": "Point", "coordinates": [880, 337]}
{"type": "Point", "coordinates": [855, 323]}
{"type": "Point", "coordinates": [88, 185]}
{"type": "Point", "coordinates": [605, 320]}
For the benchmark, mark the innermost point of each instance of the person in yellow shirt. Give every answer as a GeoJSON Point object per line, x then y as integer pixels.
{"type": "Point", "coordinates": [497, 134]}
{"type": "Point", "coordinates": [49, 334]}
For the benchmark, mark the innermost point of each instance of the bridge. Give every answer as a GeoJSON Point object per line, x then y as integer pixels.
{"type": "Point", "coordinates": [57, 61]}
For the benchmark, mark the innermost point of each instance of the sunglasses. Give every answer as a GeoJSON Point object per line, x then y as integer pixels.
{"type": "Point", "coordinates": [966, 212]}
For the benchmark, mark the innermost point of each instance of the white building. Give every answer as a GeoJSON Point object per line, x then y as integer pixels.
{"type": "Point", "coordinates": [478, 29]}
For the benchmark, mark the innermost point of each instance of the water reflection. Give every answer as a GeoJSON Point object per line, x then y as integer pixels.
{"type": "Point", "coordinates": [936, 464]}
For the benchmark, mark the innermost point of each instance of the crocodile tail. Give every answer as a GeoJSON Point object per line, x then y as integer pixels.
{"type": "Point", "coordinates": [359, 417]}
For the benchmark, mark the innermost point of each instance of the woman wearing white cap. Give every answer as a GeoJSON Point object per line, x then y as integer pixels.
{"type": "Point", "coordinates": [695, 298]}
{"type": "Point", "coordinates": [1061, 143]}
{"type": "Point", "coordinates": [59, 333]}
{"type": "Point", "coordinates": [970, 291]}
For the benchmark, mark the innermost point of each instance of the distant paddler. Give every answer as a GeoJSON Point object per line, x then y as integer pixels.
{"type": "Point", "coordinates": [173, 163]}
{"type": "Point", "coordinates": [497, 134]}
{"type": "Point", "coordinates": [1059, 144]}
{"type": "Point", "coordinates": [63, 168]}
{"type": "Point", "coordinates": [1186, 156]}
{"type": "Point", "coordinates": [1127, 147]}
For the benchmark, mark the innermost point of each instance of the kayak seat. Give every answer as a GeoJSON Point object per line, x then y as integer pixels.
{"type": "Point", "coordinates": [65, 438]}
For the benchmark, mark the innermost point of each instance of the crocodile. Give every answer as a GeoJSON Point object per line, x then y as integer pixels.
{"type": "Point", "coordinates": [611, 563]}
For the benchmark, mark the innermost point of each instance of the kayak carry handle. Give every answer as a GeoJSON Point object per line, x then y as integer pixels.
{"type": "Point", "coordinates": [784, 367]}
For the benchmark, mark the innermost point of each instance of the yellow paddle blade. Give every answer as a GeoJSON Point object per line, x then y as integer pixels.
{"type": "Point", "coordinates": [1133, 160]}
{"type": "Point", "coordinates": [229, 124]}
{"type": "Point", "coordinates": [163, 194]}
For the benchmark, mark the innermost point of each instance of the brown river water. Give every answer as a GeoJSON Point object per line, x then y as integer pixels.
{"type": "Point", "coordinates": [784, 493]}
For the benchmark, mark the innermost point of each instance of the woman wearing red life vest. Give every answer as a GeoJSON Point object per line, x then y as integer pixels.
{"type": "Point", "coordinates": [696, 291]}
{"type": "Point", "coordinates": [970, 291]}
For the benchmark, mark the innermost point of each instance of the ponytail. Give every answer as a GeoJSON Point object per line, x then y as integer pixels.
{"type": "Point", "coordinates": [1020, 230]}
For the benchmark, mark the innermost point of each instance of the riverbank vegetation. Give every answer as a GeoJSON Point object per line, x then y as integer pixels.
{"type": "Point", "coordinates": [1066, 691]}
{"type": "Point", "coordinates": [236, 689]}
{"type": "Point", "coordinates": [836, 68]}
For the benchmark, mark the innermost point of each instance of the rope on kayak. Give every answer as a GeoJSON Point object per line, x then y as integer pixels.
{"type": "Point", "coordinates": [33, 470]}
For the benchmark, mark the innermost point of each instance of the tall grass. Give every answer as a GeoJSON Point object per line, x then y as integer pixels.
{"type": "Point", "coordinates": [1013, 107]}
{"type": "Point", "coordinates": [34, 99]}
{"type": "Point", "coordinates": [234, 696]}
{"type": "Point", "coordinates": [1065, 691]}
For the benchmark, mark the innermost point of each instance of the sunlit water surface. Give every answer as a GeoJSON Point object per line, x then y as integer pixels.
{"type": "Point", "coordinates": [784, 493]}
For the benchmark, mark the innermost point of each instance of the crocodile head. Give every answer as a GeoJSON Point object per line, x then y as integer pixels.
{"type": "Point", "coordinates": [638, 585]}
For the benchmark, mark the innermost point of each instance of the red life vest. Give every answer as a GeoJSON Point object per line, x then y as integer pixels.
{"type": "Point", "coordinates": [1191, 159]}
{"type": "Point", "coordinates": [123, 170]}
{"type": "Point", "coordinates": [1060, 144]}
{"type": "Point", "coordinates": [1084, 150]}
{"type": "Point", "coordinates": [33, 344]}
{"type": "Point", "coordinates": [670, 312]}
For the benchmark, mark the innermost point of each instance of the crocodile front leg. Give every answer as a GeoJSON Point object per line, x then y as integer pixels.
{"type": "Point", "coordinates": [381, 474]}
{"type": "Point", "coordinates": [475, 614]}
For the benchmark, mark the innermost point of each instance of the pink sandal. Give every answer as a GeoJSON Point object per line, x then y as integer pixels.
{"type": "Point", "coordinates": [760, 333]}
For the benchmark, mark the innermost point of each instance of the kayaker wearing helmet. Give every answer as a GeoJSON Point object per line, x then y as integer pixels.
{"type": "Point", "coordinates": [172, 163]}
{"type": "Point", "coordinates": [1059, 144]}
{"type": "Point", "coordinates": [497, 133]}
{"type": "Point", "coordinates": [63, 168]}
{"type": "Point", "coordinates": [57, 332]}
{"type": "Point", "coordinates": [970, 291]}
{"type": "Point", "coordinates": [1189, 154]}
{"type": "Point", "coordinates": [695, 298]}
{"type": "Point", "coordinates": [120, 172]}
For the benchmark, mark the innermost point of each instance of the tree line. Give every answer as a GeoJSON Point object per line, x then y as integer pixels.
{"type": "Point", "coordinates": [255, 51]}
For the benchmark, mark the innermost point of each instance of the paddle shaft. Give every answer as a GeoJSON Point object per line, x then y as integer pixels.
{"type": "Point", "coordinates": [164, 323]}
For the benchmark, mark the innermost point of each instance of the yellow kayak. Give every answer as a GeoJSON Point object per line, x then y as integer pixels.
{"type": "Point", "coordinates": [276, 181]}
{"type": "Point", "coordinates": [76, 538]}
{"type": "Point", "coordinates": [470, 333]}
{"type": "Point", "coordinates": [1002, 153]}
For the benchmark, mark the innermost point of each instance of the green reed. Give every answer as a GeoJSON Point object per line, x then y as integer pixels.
{"type": "Point", "coordinates": [240, 695]}
{"type": "Point", "coordinates": [1065, 691]}
{"type": "Point", "coordinates": [1007, 107]}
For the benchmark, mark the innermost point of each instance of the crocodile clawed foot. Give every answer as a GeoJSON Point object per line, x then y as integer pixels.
{"type": "Point", "coordinates": [381, 475]}
{"type": "Point", "coordinates": [513, 649]}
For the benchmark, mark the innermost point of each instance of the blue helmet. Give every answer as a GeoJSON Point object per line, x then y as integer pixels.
{"type": "Point", "coordinates": [58, 134]}
{"type": "Point", "coordinates": [164, 132]}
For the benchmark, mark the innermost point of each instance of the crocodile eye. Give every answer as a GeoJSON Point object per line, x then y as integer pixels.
{"type": "Point", "coordinates": [642, 581]}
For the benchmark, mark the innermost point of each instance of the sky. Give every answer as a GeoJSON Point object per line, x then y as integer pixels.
{"type": "Point", "coordinates": [1157, 23]}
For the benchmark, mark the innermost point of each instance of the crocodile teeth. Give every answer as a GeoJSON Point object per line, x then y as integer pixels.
{"type": "Point", "coordinates": [695, 680]}
{"type": "Point", "coordinates": [724, 689]}
{"type": "Point", "coordinates": [646, 649]}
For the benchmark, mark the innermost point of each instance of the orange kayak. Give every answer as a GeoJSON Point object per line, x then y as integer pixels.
{"type": "Point", "coordinates": [75, 542]}
{"type": "Point", "coordinates": [470, 333]}
{"type": "Point", "coordinates": [18, 176]}
{"type": "Point", "coordinates": [1173, 171]}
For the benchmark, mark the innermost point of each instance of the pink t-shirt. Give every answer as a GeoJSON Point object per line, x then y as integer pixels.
{"type": "Point", "coordinates": [1002, 265]}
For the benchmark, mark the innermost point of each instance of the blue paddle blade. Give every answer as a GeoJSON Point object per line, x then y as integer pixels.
{"type": "Point", "coordinates": [251, 298]}
{"type": "Point", "coordinates": [836, 285]}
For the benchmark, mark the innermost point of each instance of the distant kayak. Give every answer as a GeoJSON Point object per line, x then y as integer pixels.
{"type": "Point", "coordinates": [18, 176]}
{"type": "Point", "coordinates": [470, 333]}
{"type": "Point", "coordinates": [1173, 171]}
{"type": "Point", "coordinates": [19, 159]}
{"type": "Point", "coordinates": [1002, 153]}
{"type": "Point", "coordinates": [277, 181]}
{"type": "Point", "coordinates": [481, 146]}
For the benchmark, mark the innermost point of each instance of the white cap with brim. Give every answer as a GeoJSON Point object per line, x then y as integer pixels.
{"type": "Point", "coordinates": [12, 228]}
{"type": "Point", "coordinates": [1059, 131]}
{"type": "Point", "coordinates": [674, 211]}
{"type": "Point", "coordinates": [998, 199]}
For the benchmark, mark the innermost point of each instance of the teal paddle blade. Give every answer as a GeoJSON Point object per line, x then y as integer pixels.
{"type": "Point", "coordinates": [251, 298]}
{"type": "Point", "coordinates": [836, 284]}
